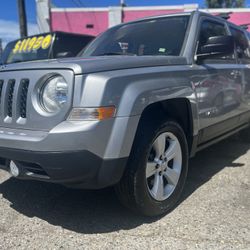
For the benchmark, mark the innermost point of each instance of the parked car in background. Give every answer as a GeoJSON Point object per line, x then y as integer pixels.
{"type": "Point", "coordinates": [45, 46]}
{"type": "Point", "coordinates": [140, 100]}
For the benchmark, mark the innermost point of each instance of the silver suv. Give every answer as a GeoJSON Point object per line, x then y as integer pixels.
{"type": "Point", "coordinates": [129, 112]}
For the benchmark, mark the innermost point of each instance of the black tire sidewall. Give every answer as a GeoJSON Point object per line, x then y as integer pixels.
{"type": "Point", "coordinates": [145, 202]}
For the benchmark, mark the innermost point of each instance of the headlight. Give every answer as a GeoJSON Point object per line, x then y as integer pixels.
{"type": "Point", "coordinates": [54, 94]}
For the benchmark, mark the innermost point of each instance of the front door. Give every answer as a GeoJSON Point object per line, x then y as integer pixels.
{"type": "Point", "coordinates": [219, 86]}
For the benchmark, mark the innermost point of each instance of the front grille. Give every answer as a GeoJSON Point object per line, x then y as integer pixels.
{"type": "Point", "coordinates": [13, 99]}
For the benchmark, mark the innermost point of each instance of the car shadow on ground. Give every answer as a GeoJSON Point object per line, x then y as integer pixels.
{"type": "Point", "coordinates": [100, 211]}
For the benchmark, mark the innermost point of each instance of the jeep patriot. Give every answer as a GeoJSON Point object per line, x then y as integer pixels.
{"type": "Point", "coordinates": [130, 111]}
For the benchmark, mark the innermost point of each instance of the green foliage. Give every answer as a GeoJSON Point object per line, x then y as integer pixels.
{"type": "Point", "coordinates": [225, 3]}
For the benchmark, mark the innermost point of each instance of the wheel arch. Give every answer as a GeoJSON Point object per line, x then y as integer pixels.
{"type": "Point", "coordinates": [179, 109]}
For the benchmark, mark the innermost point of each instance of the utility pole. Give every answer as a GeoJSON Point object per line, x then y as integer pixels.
{"type": "Point", "coordinates": [22, 18]}
{"type": "Point", "coordinates": [122, 3]}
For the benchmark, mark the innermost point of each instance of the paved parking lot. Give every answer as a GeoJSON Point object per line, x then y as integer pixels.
{"type": "Point", "coordinates": [214, 212]}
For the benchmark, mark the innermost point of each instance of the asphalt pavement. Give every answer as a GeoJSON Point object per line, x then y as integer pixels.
{"type": "Point", "coordinates": [214, 211]}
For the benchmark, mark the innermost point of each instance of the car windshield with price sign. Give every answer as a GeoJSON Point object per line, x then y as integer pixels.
{"type": "Point", "coordinates": [45, 46]}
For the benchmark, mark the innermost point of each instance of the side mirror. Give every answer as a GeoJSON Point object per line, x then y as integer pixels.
{"type": "Point", "coordinates": [64, 54]}
{"type": "Point", "coordinates": [217, 45]}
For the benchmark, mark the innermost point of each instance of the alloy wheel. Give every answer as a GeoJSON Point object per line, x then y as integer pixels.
{"type": "Point", "coordinates": [164, 166]}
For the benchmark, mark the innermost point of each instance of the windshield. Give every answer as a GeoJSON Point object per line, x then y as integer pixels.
{"type": "Point", "coordinates": [161, 36]}
{"type": "Point", "coordinates": [29, 49]}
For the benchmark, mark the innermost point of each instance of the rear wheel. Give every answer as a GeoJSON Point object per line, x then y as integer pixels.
{"type": "Point", "coordinates": [156, 170]}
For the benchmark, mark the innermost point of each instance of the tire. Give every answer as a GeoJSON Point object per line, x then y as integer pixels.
{"type": "Point", "coordinates": [139, 193]}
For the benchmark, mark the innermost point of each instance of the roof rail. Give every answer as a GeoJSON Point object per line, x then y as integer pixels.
{"type": "Point", "coordinates": [225, 15]}
{"type": "Point", "coordinates": [244, 26]}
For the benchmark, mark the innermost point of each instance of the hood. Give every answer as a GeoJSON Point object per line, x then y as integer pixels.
{"type": "Point", "coordinates": [98, 64]}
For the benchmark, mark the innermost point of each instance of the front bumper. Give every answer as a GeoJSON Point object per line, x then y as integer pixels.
{"type": "Point", "coordinates": [80, 169]}
{"type": "Point", "coordinates": [108, 139]}
{"type": "Point", "coordinates": [82, 154]}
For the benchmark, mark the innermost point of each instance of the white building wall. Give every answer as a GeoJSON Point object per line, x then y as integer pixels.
{"type": "Point", "coordinates": [115, 16]}
{"type": "Point", "coordinates": [43, 15]}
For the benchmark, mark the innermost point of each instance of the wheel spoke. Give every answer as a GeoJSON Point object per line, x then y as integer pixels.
{"type": "Point", "coordinates": [172, 150]}
{"type": "Point", "coordinates": [172, 176]}
{"type": "Point", "coordinates": [164, 166]}
{"type": "Point", "coordinates": [159, 145]}
{"type": "Point", "coordinates": [150, 169]}
{"type": "Point", "coordinates": [158, 187]}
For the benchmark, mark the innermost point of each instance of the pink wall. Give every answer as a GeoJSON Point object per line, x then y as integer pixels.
{"type": "Point", "coordinates": [131, 15]}
{"type": "Point", "coordinates": [76, 22]}
{"type": "Point", "coordinates": [240, 18]}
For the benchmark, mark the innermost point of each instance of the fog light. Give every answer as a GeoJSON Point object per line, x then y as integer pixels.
{"type": "Point", "coordinates": [14, 169]}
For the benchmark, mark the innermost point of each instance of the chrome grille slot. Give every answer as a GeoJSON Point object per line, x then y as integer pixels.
{"type": "Point", "coordinates": [10, 92]}
{"type": "Point", "coordinates": [23, 97]}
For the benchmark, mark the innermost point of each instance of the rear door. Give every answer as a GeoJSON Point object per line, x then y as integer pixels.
{"type": "Point", "coordinates": [242, 43]}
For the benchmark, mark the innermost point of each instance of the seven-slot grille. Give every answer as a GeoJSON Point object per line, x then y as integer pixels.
{"type": "Point", "coordinates": [13, 97]}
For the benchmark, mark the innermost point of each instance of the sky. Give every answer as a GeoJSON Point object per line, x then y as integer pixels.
{"type": "Point", "coordinates": [9, 29]}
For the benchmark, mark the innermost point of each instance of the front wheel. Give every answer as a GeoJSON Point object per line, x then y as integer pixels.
{"type": "Point", "coordinates": [156, 169]}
